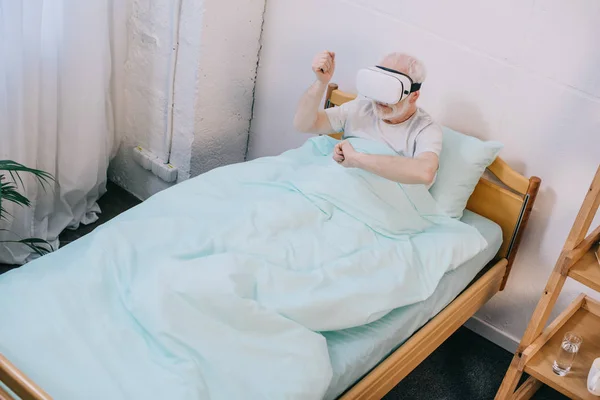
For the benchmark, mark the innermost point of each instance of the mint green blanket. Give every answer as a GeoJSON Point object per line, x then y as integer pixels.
{"type": "Point", "coordinates": [218, 287]}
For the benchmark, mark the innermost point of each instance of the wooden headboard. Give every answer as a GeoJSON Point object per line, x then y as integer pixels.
{"type": "Point", "coordinates": [508, 202]}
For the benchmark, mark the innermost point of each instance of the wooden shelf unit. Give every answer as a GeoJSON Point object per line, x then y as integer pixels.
{"type": "Point", "coordinates": [539, 347]}
{"type": "Point", "coordinates": [587, 270]}
{"type": "Point", "coordinates": [586, 322]}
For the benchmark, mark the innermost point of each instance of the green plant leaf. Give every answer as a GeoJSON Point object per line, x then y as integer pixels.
{"type": "Point", "coordinates": [38, 246]}
{"type": "Point", "coordinates": [8, 191]}
{"type": "Point", "coordinates": [13, 167]}
{"type": "Point", "coordinates": [3, 213]}
{"type": "Point", "coordinates": [16, 176]}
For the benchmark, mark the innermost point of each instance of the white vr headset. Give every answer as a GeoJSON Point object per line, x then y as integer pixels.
{"type": "Point", "coordinates": [385, 85]}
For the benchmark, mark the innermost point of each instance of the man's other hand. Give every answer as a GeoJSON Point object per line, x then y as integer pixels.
{"type": "Point", "coordinates": [351, 156]}
{"type": "Point", "coordinates": [345, 154]}
{"type": "Point", "coordinates": [338, 154]}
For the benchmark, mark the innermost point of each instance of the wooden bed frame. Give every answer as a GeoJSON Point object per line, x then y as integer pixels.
{"type": "Point", "coordinates": [508, 203]}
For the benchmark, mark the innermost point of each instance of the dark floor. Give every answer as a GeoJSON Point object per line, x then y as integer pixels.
{"type": "Point", "coordinates": [465, 367]}
{"type": "Point", "coordinates": [114, 202]}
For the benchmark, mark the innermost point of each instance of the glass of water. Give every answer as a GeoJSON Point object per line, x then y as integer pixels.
{"type": "Point", "coordinates": [566, 355]}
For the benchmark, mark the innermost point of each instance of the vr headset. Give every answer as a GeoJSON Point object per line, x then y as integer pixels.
{"type": "Point", "coordinates": [385, 85]}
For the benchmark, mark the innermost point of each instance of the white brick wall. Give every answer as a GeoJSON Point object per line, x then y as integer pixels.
{"type": "Point", "coordinates": [214, 82]}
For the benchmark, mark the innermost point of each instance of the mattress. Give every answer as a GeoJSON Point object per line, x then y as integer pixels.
{"type": "Point", "coordinates": [354, 352]}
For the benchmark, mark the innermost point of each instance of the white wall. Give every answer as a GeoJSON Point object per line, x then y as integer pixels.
{"type": "Point", "coordinates": [523, 72]}
{"type": "Point", "coordinates": [214, 82]}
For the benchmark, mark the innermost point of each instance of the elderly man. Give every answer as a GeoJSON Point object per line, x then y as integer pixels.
{"type": "Point", "coordinates": [403, 126]}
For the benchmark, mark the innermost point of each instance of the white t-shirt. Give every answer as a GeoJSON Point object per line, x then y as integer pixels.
{"type": "Point", "coordinates": [416, 135]}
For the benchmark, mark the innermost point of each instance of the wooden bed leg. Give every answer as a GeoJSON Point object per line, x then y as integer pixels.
{"type": "Point", "coordinates": [527, 389]}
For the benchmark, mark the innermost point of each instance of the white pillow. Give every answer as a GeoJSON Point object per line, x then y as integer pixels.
{"type": "Point", "coordinates": [463, 161]}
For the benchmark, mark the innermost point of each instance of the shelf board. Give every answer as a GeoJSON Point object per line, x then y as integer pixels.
{"type": "Point", "coordinates": [574, 385]}
{"type": "Point", "coordinates": [587, 270]}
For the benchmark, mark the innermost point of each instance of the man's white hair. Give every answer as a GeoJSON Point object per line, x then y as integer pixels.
{"type": "Point", "coordinates": [408, 64]}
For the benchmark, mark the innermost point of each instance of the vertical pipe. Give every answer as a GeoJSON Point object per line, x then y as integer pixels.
{"type": "Point", "coordinates": [168, 137]}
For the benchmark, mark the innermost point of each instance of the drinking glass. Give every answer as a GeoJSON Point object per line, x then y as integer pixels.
{"type": "Point", "coordinates": [566, 354]}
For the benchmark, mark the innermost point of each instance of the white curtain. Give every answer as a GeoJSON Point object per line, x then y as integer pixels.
{"type": "Point", "coordinates": [61, 71]}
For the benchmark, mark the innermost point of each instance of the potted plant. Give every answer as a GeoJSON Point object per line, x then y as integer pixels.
{"type": "Point", "coordinates": [9, 193]}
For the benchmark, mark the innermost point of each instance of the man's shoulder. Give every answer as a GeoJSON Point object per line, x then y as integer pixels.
{"type": "Point", "coordinates": [424, 117]}
{"type": "Point", "coordinates": [361, 103]}
{"type": "Point", "coordinates": [360, 108]}
{"type": "Point", "coordinates": [426, 121]}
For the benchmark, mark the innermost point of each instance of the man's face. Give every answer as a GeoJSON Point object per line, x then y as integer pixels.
{"type": "Point", "coordinates": [392, 111]}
